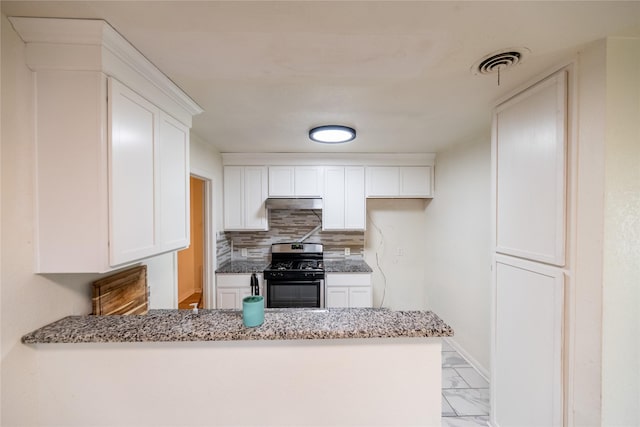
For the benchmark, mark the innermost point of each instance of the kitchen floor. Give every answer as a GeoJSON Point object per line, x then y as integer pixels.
{"type": "Point", "coordinates": [465, 393]}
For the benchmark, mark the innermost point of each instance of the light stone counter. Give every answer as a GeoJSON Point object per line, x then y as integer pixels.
{"type": "Point", "coordinates": [226, 325]}
{"type": "Point", "coordinates": [347, 367]}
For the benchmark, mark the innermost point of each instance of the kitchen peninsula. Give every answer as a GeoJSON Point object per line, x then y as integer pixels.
{"type": "Point", "coordinates": [301, 367]}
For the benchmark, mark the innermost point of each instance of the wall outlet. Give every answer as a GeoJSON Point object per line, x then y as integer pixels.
{"type": "Point", "coordinates": [400, 252]}
{"type": "Point", "coordinates": [243, 252]}
{"type": "Point", "coordinates": [347, 251]}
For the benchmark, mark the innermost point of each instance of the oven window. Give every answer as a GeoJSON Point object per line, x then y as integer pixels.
{"type": "Point", "coordinates": [293, 294]}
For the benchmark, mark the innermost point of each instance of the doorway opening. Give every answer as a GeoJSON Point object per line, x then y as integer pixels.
{"type": "Point", "coordinates": [191, 261]}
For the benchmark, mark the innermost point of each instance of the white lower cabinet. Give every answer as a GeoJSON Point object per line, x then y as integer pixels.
{"type": "Point", "coordinates": [232, 288]}
{"type": "Point", "coordinates": [349, 290]}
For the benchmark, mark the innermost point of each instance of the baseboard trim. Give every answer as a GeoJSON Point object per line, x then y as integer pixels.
{"type": "Point", "coordinates": [472, 361]}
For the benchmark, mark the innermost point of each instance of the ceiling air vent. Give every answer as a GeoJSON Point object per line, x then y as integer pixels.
{"type": "Point", "coordinates": [500, 61]}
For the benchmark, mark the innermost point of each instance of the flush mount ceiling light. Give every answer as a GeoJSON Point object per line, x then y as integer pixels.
{"type": "Point", "coordinates": [332, 134]}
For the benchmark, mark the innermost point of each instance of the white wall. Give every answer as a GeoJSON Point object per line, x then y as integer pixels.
{"type": "Point", "coordinates": [28, 301]}
{"type": "Point", "coordinates": [228, 383]}
{"type": "Point", "coordinates": [206, 162]}
{"type": "Point", "coordinates": [604, 305]}
{"type": "Point", "coordinates": [584, 305]}
{"type": "Point", "coordinates": [395, 231]}
{"type": "Point", "coordinates": [621, 266]}
{"type": "Point", "coordinates": [457, 258]}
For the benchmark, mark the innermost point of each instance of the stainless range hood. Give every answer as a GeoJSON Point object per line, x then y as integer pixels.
{"type": "Point", "coordinates": [288, 203]}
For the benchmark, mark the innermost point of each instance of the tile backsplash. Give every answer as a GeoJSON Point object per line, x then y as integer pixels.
{"type": "Point", "coordinates": [288, 226]}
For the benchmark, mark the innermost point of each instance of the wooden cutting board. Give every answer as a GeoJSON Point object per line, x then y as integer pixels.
{"type": "Point", "coordinates": [122, 293]}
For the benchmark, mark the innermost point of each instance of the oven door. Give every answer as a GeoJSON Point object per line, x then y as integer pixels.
{"type": "Point", "coordinates": [295, 293]}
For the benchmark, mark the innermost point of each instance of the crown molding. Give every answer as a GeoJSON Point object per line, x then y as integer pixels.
{"type": "Point", "coordinates": [93, 44]}
{"type": "Point", "coordinates": [328, 159]}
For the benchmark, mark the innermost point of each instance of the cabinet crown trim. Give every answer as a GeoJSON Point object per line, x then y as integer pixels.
{"type": "Point", "coordinates": [99, 35]}
{"type": "Point", "coordinates": [328, 159]}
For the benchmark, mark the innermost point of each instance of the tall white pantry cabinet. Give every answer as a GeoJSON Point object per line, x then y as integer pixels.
{"type": "Point", "coordinates": [530, 177]}
{"type": "Point", "coordinates": [111, 146]}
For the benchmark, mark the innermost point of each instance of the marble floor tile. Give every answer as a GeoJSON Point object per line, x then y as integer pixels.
{"type": "Point", "coordinates": [452, 359]}
{"type": "Point", "coordinates": [468, 401]}
{"type": "Point", "coordinates": [451, 379]}
{"type": "Point", "coordinates": [447, 410]}
{"type": "Point", "coordinates": [471, 377]}
{"type": "Point", "coordinates": [465, 421]}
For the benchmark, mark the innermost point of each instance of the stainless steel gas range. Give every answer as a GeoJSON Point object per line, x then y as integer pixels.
{"type": "Point", "coordinates": [295, 277]}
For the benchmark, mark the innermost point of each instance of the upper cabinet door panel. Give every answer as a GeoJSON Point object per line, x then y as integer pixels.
{"type": "Point", "coordinates": [334, 199]}
{"type": "Point", "coordinates": [233, 197]}
{"type": "Point", "coordinates": [281, 181]}
{"type": "Point", "coordinates": [415, 181]}
{"type": "Point", "coordinates": [530, 140]}
{"type": "Point", "coordinates": [355, 202]}
{"type": "Point", "coordinates": [399, 181]}
{"type": "Point", "coordinates": [308, 181]}
{"type": "Point", "coordinates": [132, 193]}
{"type": "Point", "coordinates": [255, 194]}
{"type": "Point", "coordinates": [173, 151]}
{"type": "Point", "coordinates": [383, 181]}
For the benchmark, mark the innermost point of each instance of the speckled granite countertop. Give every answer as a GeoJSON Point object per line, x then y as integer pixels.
{"type": "Point", "coordinates": [226, 325]}
{"type": "Point", "coordinates": [242, 267]}
{"type": "Point", "coordinates": [330, 266]}
{"type": "Point", "coordinates": [346, 266]}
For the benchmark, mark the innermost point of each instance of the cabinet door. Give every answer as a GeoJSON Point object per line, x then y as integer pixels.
{"type": "Point", "coordinates": [242, 293]}
{"type": "Point", "coordinates": [530, 163]}
{"type": "Point", "coordinates": [281, 181]}
{"type": "Point", "coordinates": [228, 298]}
{"type": "Point", "coordinates": [382, 181]}
{"type": "Point", "coordinates": [133, 229]}
{"type": "Point", "coordinates": [255, 194]}
{"type": "Point", "coordinates": [233, 198]}
{"type": "Point", "coordinates": [415, 181]}
{"type": "Point", "coordinates": [334, 199]}
{"type": "Point", "coordinates": [337, 297]}
{"type": "Point", "coordinates": [173, 151]}
{"type": "Point", "coordinates": [360, 297]}
{"type": "Point", "coordinates": [527, 376]}
{"type": "Point", "coordinates": [308, 181]}
{"type": "Point", "coordinates": [355, 201]}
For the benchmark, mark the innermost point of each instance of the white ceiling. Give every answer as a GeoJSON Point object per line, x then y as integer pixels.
{"type": "Point", "coordinates": [399, 72]}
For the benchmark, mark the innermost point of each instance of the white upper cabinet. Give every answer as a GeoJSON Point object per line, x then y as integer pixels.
{"type": "Point", "coordinates": [308, 181]}
{"type": "Point", "coordinates": [173, 153]}
{"type": "Point", "coordinates": [399, 181]}
{"type": "Point", "coordinates": [245, 192]}
{"type": "Point", "coordinates": [530, 133]}
{"type": "Point", "coordinates": [281, 181]}
{"type": "Point", "coordinates": [112, 145]}
{"type": "Point", "coordinates": [295, 181]}
{"type": "Point", "coordinates": [344, 200]}
{"type": "Point", "coordinates": [133, 231]}
{"type": "Point", "coordinates": [148, 178]}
